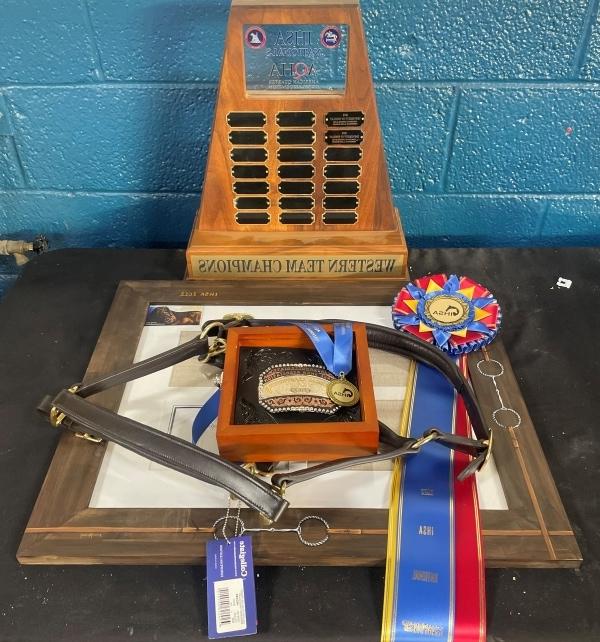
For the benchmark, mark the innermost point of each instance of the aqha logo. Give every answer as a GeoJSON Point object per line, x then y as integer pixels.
{"type": "Point", "coordinates": [331, 37]}
{"type": "Point", "coordinates": [295, 70]}
{"type": "Point", "coordinates": [256, 38]}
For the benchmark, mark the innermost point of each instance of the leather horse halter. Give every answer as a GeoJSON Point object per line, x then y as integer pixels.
{"type": "Point", "coordinates": [71, 409]}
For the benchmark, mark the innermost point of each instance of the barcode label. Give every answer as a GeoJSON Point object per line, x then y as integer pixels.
{"type": "Point", "coordinates": [230, 591]}
{"type": "Point", "coordinates": [230, 609]}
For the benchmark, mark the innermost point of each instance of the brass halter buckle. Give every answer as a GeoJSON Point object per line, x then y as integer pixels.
{"type": "Point", "coordinates": [430, 435]}
{"type": "Point", "coordinates": [237, 316]}
{"type": "Point", "coordinates": [57, 417]}
{"type": "Point", "coordinates": [488, 453]}
{"type": "Point", "coordinates": [210, 326]}
{"type": "Point", "coordinates": [218, 346]}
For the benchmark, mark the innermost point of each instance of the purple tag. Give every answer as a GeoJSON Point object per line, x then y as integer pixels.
{"type": "Point", "coordinates": [230, 587]}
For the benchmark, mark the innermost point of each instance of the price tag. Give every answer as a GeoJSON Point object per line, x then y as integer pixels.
{"type": "Point", "coordinates": [231, 596]}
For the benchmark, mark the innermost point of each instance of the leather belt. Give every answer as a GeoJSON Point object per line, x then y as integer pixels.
{"type": "Point", "coordinates": [71, 410]}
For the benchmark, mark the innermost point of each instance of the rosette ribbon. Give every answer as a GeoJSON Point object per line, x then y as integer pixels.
{"type": "Point", "coordinates": [454, 313]}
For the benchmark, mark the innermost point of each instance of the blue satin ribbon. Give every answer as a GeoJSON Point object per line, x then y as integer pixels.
{"type": "Point", "coordinates": [206, 415]}
{"type": "Point", "coordinates": [336, 354]}
{"type": "Point", "coordinates": [423, 594]}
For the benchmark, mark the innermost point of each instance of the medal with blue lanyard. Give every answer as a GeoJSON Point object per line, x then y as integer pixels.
{"type": "Point", "coordinates": [336, 354]}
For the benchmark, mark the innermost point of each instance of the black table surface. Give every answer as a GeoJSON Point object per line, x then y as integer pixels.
{"type": "Point", "coordinates": [49, 323]}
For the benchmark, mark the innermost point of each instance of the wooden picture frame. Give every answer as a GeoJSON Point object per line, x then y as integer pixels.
{"type": "Point", "coordinates": [63, 529]}
{"type": "Point", "coordinates": [308, 441]}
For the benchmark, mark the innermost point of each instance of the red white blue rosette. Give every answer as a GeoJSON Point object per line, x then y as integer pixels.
{"type": "Point", "coordinates": [454, 313]}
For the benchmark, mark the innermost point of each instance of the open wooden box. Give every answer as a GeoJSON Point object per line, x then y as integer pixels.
{"type": "Point", "coordinates": [298, 441]}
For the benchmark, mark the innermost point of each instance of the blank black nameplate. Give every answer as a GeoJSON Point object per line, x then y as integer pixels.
{"type": "Point", "coordinates": [246, 119]}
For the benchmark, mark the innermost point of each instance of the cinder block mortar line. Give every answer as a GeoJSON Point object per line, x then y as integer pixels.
{"type": "Point", "coordinates": [568, 196]}
{"type": "Point", "coordinates": [589, 20]}
{"type": "Point", "coordinates": [108, 193]}
{"type": "Point", "coordinates": [143, 84]}
{"type": "Point", "coordinates": [450, 135]}
{"type": "Point", "coordinates": [392, 84]}
{"type": "Point", "coordinates": [94, 49]}
{"type": "Point", "coordinates": [542, 220]}
{"type": "Point", "coordinates": [489, 84]}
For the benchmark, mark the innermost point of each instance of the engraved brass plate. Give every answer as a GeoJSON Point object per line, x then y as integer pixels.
{"type": "Point", "coordinates": [340, 218]}
{"type": "Point", "coordinates": [276, 265]}
{"type": "Point", "coordinates": [251, 203]}
{"type": "Point", "coordinates": [344, 118]}
{"type": "Point", "coordinates": [344, 137]}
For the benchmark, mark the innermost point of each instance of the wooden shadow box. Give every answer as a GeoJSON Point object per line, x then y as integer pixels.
{"type": "Point", "coordinates": [294, 440]}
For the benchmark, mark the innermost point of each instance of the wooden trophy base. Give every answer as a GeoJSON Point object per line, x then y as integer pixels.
{"type": "Point", "coordinates": [375, 256]}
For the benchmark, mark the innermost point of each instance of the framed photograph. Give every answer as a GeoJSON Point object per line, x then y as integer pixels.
{"type": "Point", "coordinates": [101, 504]}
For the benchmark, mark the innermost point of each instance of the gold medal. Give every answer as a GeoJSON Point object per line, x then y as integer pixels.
{"type": "Point", "coordinates": [342, 392]}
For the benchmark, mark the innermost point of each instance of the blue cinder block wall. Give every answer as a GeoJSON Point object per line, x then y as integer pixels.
{"type": "Point", "coordinates": [489, 108]}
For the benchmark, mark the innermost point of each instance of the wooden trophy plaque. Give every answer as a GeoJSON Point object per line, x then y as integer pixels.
{"type": "Point", "coordinates": [296, 182]}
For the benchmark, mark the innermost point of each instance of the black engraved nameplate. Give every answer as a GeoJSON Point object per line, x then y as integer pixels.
{"type": "Point", "coordinates": [344, 119]}
{"type": "Point", "coordinates": [344, 137]}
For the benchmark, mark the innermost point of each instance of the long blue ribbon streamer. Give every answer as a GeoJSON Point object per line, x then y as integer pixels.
{"type": "Point", "coordinates": [336, 353]}
{"type": "Point", "coordinates": [423, 607]}
{"type": "Point", "coordinates": [206, 415]}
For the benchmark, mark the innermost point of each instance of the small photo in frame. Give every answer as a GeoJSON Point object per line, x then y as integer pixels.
{"type": "Point", "coordinates": [161, 314]}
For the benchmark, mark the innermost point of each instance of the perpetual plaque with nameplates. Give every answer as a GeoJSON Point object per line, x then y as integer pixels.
{"type": "Point", "coordinates": [296, 182]}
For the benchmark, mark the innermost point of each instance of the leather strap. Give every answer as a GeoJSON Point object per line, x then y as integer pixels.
{"type": "Point", "coordinates": [71, 410]}
{"type": "Point", "coordinates": [170, 451]}
{"type": "Point", "coordinates": [197, 347]}
{"type": "Point", "coordinates": [407, 345]}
